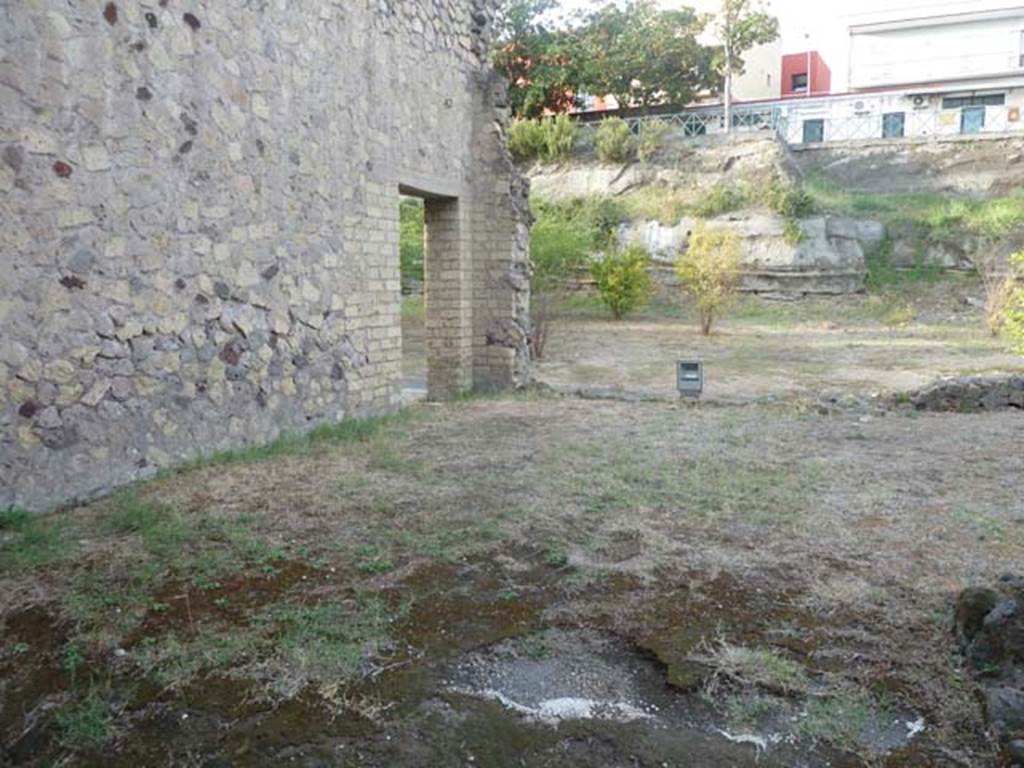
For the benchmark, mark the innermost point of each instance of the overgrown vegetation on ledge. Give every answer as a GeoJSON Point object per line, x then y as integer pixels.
{"type": "Point", "coordinates": [940, 217]}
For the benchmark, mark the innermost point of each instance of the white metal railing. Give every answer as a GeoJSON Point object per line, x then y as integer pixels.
{"type": "Point", "coordinates": [825, 121]}
{"type": "Point", "coordinates": [805, 127]}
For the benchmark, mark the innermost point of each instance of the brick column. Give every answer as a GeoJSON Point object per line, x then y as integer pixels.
{"type": "Point", "coordinates": [449, 331]}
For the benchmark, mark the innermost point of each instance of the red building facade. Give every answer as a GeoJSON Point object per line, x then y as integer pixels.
{"type": "Point", "coordinates": [805, 74]}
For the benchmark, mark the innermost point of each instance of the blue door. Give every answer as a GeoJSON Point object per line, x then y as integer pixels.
{"type": "Point", "coordinates": [814, 131]}
{"type": "Point", "coordinates": [972, 119]}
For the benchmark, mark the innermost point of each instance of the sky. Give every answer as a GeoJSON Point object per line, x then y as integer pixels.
{"type": "Point", "coordinates": [821, 25]}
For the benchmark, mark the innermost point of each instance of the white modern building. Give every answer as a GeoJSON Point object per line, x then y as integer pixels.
{"type": "Point", "coordinates": [960, 73]}
{"type": "Point", "coordinates": [979, 49]}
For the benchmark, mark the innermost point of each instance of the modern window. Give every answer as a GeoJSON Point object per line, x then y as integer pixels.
{"type": "Point", "coordinates": [814, 131]}
{"type": "Point", "coordinates": [893, 125]}
{"type": "Point", "coordinates": [799, 83]}
{"type": "Point", "coordinates": [988, 100]}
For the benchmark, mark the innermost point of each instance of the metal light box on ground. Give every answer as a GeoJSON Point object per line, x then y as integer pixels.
{"type": "Point", "coordinates": [690, 378]}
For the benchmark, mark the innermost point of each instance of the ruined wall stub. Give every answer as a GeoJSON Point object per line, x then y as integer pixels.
{"type": "Point", "coordinates": [199, 241]}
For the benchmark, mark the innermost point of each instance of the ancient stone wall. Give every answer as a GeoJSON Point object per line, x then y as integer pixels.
{"type": "Point", "coordinates": [200, 202]}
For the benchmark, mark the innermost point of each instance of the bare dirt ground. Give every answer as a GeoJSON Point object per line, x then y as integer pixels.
{"type": "Point", "coordinates": [771, 350]}
{"type": "Point", "coordinates": [531, 580]}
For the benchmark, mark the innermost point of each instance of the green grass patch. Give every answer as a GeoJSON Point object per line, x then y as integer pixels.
{"type": "Point", "coordinates": [88, 723]}
{"type": "Point", "coordinates": [884, 275]}
{"type": "Point", "coordinates": [30, 541]}
{"type": "Point", "coordinates": [557, 556]}
{"type": "Point", "coordinates": [414, 307]}
{"type": "Point", "coordinates": [346, 432]}
{"type": "Point", "coordinates": [112, 600]}
{"type": "Point", "coordinates": [13, 518]}
{"type": "Point", "coordinates": [721, 198]}
{"type": "Point", "coordinates": [760, 667]}
{"type": "Point", "coordinates": [749, 711]}
{"type": "Point", "coordinates": [327, 642]}
{"type": "Point", "coordinates": [706, 487]}
{"type": "Point", "coordinates": [940, 216]}
{"type": "Point", "coordinates": [162, 529]}
{"type": "Point", "coordinates": [173, 662]}
{"type": "Point", "coordinates": [450, 544]}
{"type": "Point", "coordinates": [842, 718]}
{"type": "Point", "coordinates": [652, 203]}
{"type": "Point", "coordinates": [983, 526]}
{"type": "Point", "coordinates": [373, 560]}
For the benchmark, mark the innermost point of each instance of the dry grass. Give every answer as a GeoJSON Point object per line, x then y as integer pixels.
{"type": "Point", "coordinates": [841, 541]}
{"type": "Point", "coordinates": [771, 350]}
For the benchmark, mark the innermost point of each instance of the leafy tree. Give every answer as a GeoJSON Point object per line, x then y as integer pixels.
{"type": "Point", "coordinates": [740, 27]}
{"type": "Point", "coordinates": [646, 56]}
{"type": "Point", "coordinates": [541, 63]}
{"type": "Point", "coordinates": [710, 271]}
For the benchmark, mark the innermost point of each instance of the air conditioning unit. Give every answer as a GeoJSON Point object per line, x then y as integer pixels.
{"type": "Point", "coordinates": [920, 102]}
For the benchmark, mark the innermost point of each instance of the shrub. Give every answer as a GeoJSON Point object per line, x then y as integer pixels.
{"type": "Point", "coordinates": [1013, 327]}
{"type": "Point", "coordinates": [788, 200]}
{"type": "Point", "coordinates": [999, 285]}
{"type": "Point", "coordinates": [545, 138]}
{"type": "Point", "coordinates": [792, 233]}
{"type": "Point", "coordinates": [526, 139]}
{"type": "Point", "coordinates": [711, 271]}
{"type": "Point", "coordinates": [614, 141]}
{"type": "Point", "coordinates": [559, 136]}
{"type": "Point", "coordinates": [597, 217]}
{"type": "Point", "coordinates": [622, 279]}
{"type": "Point", "coordinates": [721, 198]}
{"type": "Point", "coordinates": [652, 135]}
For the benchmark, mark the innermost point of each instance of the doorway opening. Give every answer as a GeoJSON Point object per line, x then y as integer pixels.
{"type": "Point", "coordinates": [413, 297]}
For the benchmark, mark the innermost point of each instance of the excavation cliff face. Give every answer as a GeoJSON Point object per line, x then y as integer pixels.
{"type": "Point", "coordinates": [200, 240]}
{"type": "Point", "coordinates": [812, 251]}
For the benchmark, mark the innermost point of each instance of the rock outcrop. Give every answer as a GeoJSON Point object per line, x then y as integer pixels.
{"type": "Point", "coordinates": [827, 256]}
{"type": "Point", "coordinates": [989, 626]}
{"type": "Point", "coordinates": [971, 394]}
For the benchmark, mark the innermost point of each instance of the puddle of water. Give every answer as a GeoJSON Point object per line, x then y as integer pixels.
{"type": "Point", "coordinates": [558, 675]}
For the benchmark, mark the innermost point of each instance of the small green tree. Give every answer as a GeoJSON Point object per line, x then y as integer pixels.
{"type": "Point", "coordinates": [711, 271]}
{"type": "Point", "coordinates": [740, 27]}
{"type": "Point", "coordinates": [614, 141]}
{"type": "Point", "coordinates": [559, 245]}
{"type": "Point", "coordinates": [622, 279]}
